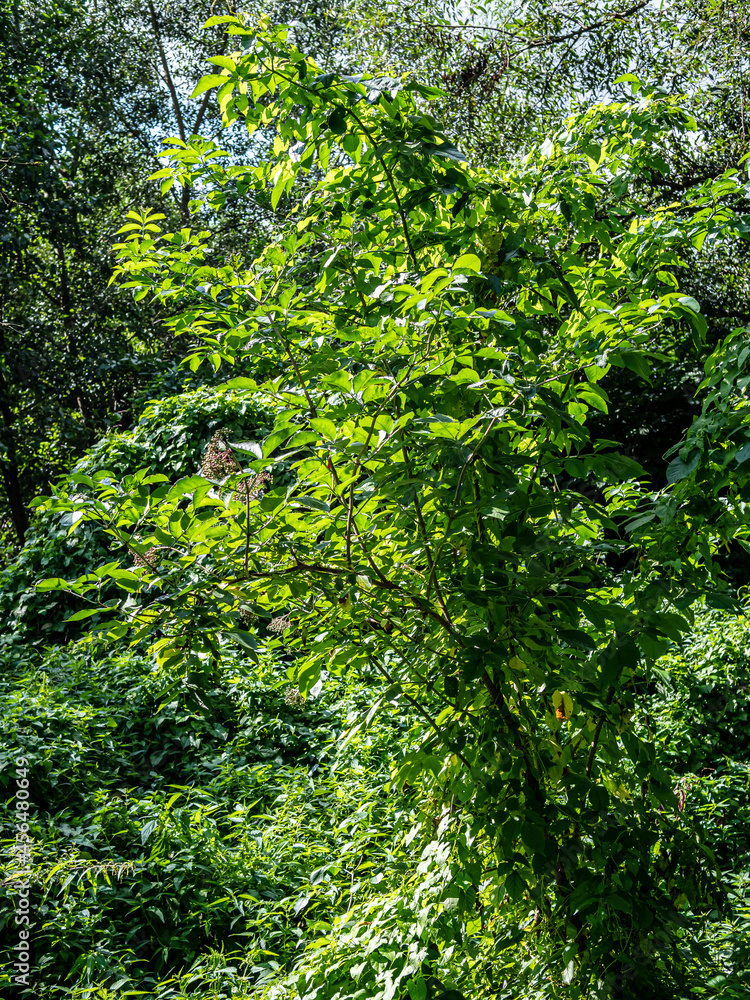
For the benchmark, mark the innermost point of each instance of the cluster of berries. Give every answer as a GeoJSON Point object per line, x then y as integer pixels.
{"type": "Point", "coordinates": [280, 624]}
{"type": "Point", "coordinates": [294, 697]}
{"type": "Point", "coordinates": [219, 462]}
{"type": "Point", "coordinates": [149, 558]}
{"type": "Point", "coordinates": [253, 487]}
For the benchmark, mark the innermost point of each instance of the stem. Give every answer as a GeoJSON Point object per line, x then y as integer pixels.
{"type": "Point", "coordinates": [550, 40]}
{"type": "Point", "coordinates": [373, 142]}
{"type": "Point", "coordinates": [469, 461]}
{"type": "Point", "coordinates": [388, 174]}
{"type": "Point", "coordinates": [167, 76]}
{"type": "Point", "coordinates": [308, 397]}
{"type": "Point", "coordinates": [201, 111]}
{"type": "Point", "coordinates": [431, 563]}
{"type": "Point", "coordinates": [594, 745]}
{"type": "Point", "coordinates": [425, 715]}
{"type": "Point", "coordinates": [349, 516]}
{"type": "Point", "coordinates": [247, 526]}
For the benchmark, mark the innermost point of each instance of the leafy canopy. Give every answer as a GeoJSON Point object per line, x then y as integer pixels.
{"type": "Point", "coordinates": [430, 508]}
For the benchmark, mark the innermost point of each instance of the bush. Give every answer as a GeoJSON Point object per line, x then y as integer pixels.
{"type": "Point", "coordinates": [170, 437]}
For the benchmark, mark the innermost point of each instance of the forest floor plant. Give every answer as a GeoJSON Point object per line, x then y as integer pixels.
{"type": "Point", "coordinates": [438, 525]}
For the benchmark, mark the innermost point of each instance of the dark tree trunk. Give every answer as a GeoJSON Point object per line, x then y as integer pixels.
{"type": "Point", "coordinates": [9, 465]}
{"type": "Point", "coordinates": [15, 501]}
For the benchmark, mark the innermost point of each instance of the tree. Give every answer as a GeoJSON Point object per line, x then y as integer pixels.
{"type": "Point", "coordinates": [432, 510]}
{"type": "Point", "coordinates": [89, 94]}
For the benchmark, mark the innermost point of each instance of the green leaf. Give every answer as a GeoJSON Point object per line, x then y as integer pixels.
{"type": "Point", "coordinates": [325, 427]}
{"type": "Point", "coordinates": [280, 187]}
{"type": "Point", "coordinates": [313, 503]}
{"type": "Point", "coordinates": [690, 302]}
{"type": "Point", "coordinates": [220, 19]}
{"type": "Point", "coordinates": [417, 988]}
{"type": "Point", "coordinates": [277, 437]}
{"type": "Point", "coordinates": [241, 383]}
{"type": "Point", "coordinates": [515, 886]}
{"type": "Point", "coordinates": [574, 637]}
{"type": "Point", "coordinates": [569, 972]}
{"type": "Point", "coordinates": [467, 262]}
{"type": "Point", "coordinates": [247, 447]}
{"type": "Point", "coordinates": [225, 62]}
{"type": "Point", "coordinates": [634, 360]}
{"type": "Point", "coordinates": [53, 583]}
{"type": "Point", "coordinates": [337, 121]}
{"type": "Point", "coordinates": [679, 469]}
{"type": "Point", "coordinates": [208, 82]}
{"type": "Point", "coordinates": [86, 613]}
{"type": "Point", "coordinates": [147, 829]}
{"type": "Point", "coordinates": [246, 640]}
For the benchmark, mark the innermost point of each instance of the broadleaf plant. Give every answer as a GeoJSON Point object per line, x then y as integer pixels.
{"type": "Point", "coordinates": [431, 509]}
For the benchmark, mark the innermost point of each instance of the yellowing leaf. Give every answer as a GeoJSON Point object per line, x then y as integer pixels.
{"type": "Point", "coordinates": [563, 705]}
{"type": "Point", "coordinates": [468, 262]}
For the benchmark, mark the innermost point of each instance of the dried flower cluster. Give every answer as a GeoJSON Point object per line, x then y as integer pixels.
{"type": "Point", "coordinates": [218, 459]}
{"type": "Point", "coordinates": [280, 624]}
{"type": "Point", "coordinates": [253, 487]}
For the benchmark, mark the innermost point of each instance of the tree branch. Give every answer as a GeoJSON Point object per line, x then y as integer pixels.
{"type": "Point", "coordinates": [166, 75]}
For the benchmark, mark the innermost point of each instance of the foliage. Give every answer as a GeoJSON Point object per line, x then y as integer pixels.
{"type": "Point", "coordinates": [174, 824]}
{"type": "Point", "coordinates": [171, 435]}
{"type": "Point", "coordinates": [280, 839]}
{"type": "Point", "coordinates": [88, 93]}
{"type": "Point", "coordinates": [440, 518]}
{"type": "Point", "coordinates": [511, 74]}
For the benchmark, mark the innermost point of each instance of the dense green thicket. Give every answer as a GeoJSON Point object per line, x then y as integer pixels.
{"type": "Point", "coordinates": [183, 831]}
{"type": "Point", "coordinates": [182, 826]}
{"type": "Point", "coordinates": [194, 842]}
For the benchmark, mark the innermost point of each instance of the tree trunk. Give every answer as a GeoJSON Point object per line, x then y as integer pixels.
{"type": "Point", "coordinates": [12, 487]}
{"type": "Point", "coordinates": [9, 471]}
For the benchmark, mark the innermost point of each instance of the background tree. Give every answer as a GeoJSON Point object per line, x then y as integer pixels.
{"type": "Point", "coordinates": [90, 93]}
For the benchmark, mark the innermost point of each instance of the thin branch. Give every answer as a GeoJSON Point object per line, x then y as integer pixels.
{"type": "Point", "coordinates": [594, 745]}
{"type": "Point", "coordinates": [415, 704]}
{"type": "Point", "coordinates": [207, 96]}
{"type": "Point", "coordinates": [542, 42]}
{"type": "Point", "coordinates": [167, 76]}
{"type": "Point", "coordinates": [374, 144]}
{"type": "Point", "coordinates": [292, 358]}
{"type": "Point", "coordinates": [587, 28]}
{"type": "Point", "coordinates": [404, 223]}
{"type": "Point", "coordinates": [202, 111]}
